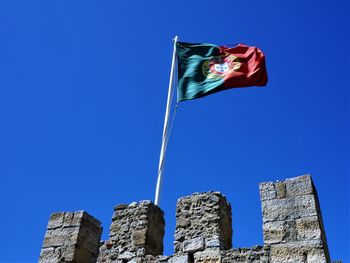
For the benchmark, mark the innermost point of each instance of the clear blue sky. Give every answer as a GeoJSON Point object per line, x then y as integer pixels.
{"type": "Point", "coordinates": [83, 88]}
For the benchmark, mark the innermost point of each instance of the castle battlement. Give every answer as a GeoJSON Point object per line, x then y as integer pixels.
{"type": "Point", "coordinates": [292, 227]}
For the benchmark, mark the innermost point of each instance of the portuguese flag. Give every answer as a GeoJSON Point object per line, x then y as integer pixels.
{"type": "Point", "coordinates": [204, 69]}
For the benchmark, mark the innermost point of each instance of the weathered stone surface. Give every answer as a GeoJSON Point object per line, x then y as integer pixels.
{"type": "Point", "coordinates": [208, 256]}
{"type": "Point", "coordinates": [267, 191]}
{"type": "Point", "coordinates": [308, 228]}
{"type": "Point", "coordinates": [71, 237]}
{"type": "Point", "coordinates": [292, 226]}
{"type": "Point", "coordinates": [183, 223]}
{"type": "Point", "coordinates": [255, 254]}
{"type": "Point", "coordinates": [135, 260]}
{"type": "Point", "coordinates": [141, 251]}
{"type": "Point", "coordinates": [60, 237]}
{"type": "Point", "coordinates": [137, 229]}
{"type": "Point", "coordinates": [50, 255]}
{"type": "Point", "coordinates": [139, 237]}
{"type": "Point", "coordinates": [126, 256]}
{"type": "Point", "coordinates": [292, 222]}
{"type": "Point", "coordinates": [206, 215]}
{"type": "Point", "coordinates": [179, 259]}
{"type": "Point", "coordinates": [301, 185]}
{"type": "Point", "coordinates": [193, 245]}
{"type": "Point", "coordinates": [289, 208]}
{"type": "Point", "coordinates": [55, 221]}
{"type": "Point", "coordinates": [279, 231]}
{"type": "Point", "coordinates": [68, 252]}
{"type": "Point", "coordinates": [213, 242]}
{"type": "Point", "coordinates": [300, 252]}
{"type": "Point", "coordinates": [280, 190]}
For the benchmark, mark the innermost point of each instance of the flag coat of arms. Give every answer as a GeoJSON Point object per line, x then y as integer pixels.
{"type": "Point", "coordinates": [204, 69]}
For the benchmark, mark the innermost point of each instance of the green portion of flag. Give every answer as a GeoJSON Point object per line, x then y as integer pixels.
{"type": "Point", "coordinates": [192, 83]}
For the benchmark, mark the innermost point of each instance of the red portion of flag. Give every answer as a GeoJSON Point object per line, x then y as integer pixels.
{"type": "Point", "coordinates": [246, 66]}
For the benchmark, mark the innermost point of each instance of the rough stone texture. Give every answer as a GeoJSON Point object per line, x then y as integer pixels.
{"type": "Point", "coordinates": [71, 237]}
{"type": "Point", "coordinates": [292, 227]}
{"type": "Point", "coordinates": [180, 259]}
{"type": "Point", "coordinates": [256, 254]}
{"type": "Point", "coordinates": [193, 245]}
{"type": "Point", "coordinates": [298, 252]}
{"type": "Point", "coordinates": [211, 255]}
{"type": "Point", "coordinates": [136, 230]}
{"type": "Point", "coordinates": [292, 221]}
{"type": "Point", "coordinates": [203, 219]}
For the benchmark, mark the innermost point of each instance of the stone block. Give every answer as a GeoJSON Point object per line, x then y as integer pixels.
{"type": "Point", "coordinates": [301, 185]}
{"type": "Point", "coordinates": [60, 237]}
{"type": "Point", "coordinates": [280, 190]}
{"type": "Point", "coordinates": [183, 222]}
{"type": "Point", "coordinates": [308, 228]}
{"type": "Point", "coordinates": [298, 252]}
{"type": "Point", "coordinates": [279, 231]}
{"type": "Point", "coordinates": [180, 259]}
{"type": "Point", "coordinates": [139, 237]}
{"type": "Point", "coordinates": [289, 208]}
{"type": "Point", "coordinates": [75, 219]}
{"type": "Point", "coordinates": [267, 191]}
{"type": "Point", "coordinates": [193, 245]}
{"type": "Point", "coordinates": [141, 251]}
{"type": "Point", "coordinates": [135, 260]}
{"type": "Point", "coordinates": [56, 220]}
{"type": "Point", "coordinates": [256, 254]}
{"type": "Point", "coordinates": [213, 242]}
{"type": "Point", "coordinates": [208, 256]}
{"type": "Point", "coordinates": [68, 252]}
{"type": "Point", "coordinates": [126, 256]}
{"type": "Point", "coordinates": [50, 255]}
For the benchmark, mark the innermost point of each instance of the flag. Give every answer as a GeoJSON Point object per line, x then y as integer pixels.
{"type": "Point", "coordinates": [204, 69]}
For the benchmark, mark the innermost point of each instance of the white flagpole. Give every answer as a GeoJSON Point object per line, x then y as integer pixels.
{"type": "Point", "coordinates": [165, 128]}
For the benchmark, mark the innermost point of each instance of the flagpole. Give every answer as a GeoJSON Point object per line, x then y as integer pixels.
{"type": "Point", "coordinates": [165, 128]}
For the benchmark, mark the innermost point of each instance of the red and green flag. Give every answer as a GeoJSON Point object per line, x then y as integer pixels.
{"type": "Point", "coordinates": [204, 69]}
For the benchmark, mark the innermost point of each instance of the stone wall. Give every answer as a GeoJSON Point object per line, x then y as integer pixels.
{"type": "Point", "coordinates": [71, 237]}
{"type": "Point", "coordinates": [292, 221]}
{"type": "Point", "coordinates": [203, 221]}
{"type": "Point", "coordinates": [292, 227]}
{"type": "Point", "coordinates": [257, 254]}
{"type": "Point", "coordinates": [136, 230]}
